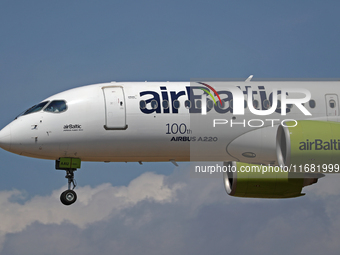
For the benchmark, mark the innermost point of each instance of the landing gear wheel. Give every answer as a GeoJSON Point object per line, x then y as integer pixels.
{"type": "Point", "coordinates": [68, 197]}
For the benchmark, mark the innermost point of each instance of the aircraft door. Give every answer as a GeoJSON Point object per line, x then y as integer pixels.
{"type": "Point", "coordinates": [332, 105]}
{"type": "Point", "coordinates": [115, 110]}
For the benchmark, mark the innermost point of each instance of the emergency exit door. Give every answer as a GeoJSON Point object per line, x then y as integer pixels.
{"type": "Point", "coordinates": [115, 110]}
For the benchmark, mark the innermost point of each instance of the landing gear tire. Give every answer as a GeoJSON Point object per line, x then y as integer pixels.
{"type": "Point", "coordinates": [68, 197]}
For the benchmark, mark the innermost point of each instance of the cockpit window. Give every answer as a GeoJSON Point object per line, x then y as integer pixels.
{"type": "Point", "coordinates": [35, 108]}
{"type": "Point", "coordinates": [56, 106]}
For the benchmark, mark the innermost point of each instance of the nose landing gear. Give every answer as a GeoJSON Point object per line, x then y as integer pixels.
{"type": "Point", "coordinates": [70, 165]}
{"type": "Point", "coordinates": [69, 196]}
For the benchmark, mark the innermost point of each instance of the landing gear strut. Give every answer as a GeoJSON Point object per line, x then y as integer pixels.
{"type": "Point", "coordinates": [69, 196]}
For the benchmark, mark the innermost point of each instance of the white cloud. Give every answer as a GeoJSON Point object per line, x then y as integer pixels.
{"type": "Point", "coordinates": [94, 204]}
{"type": "Point", "coordinates": [176, 214]}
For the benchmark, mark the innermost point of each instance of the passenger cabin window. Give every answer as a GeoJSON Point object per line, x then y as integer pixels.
{"type": "Point", "coordinates": [142, 104]}
{"type": "Point", "coordinates": [266, 104]}
{"type": "Point", "coordinates": [187, 104]}
{"type": "Point", "coordinates": [210, 104]}
{"type": "Point", "coordinates": [221, 106]}
{"type": "Point", "coordinates": [154, 104]}
{"type": "Point", "coordinates": [165, 104]}
{"type": "Point", "coordinates": [312, 103]}
{"type": "Point", "coordinates": [198, 104]}
{"type": "Point", "coordinates": [278, 104]}
{"type": "Point", "coordinates": [332, 103]}
{"type": "Point", "coordinates": [56, 106]}
{"type": "Point", "coordinates": [35, 108]}
{"type": "Point", "coordinates": [176, 104]}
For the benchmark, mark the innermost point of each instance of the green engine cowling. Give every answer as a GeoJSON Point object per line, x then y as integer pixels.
{"type": "Point", "coordinates": [308, 143]}
{"type": "Point", "coordinates": [255, 181]}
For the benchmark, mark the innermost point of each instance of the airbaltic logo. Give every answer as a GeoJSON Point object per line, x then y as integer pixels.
{"type": "Point", "coordinates": [319, 144]}
{"type": "Point", "coordinates": [231, 99]}
{"type": "Point", "coordinates": [204, 97]}
{"type": "Point", "coordinates": [208, 92]}
{"type": "Point", "coordinates": [72, 127]}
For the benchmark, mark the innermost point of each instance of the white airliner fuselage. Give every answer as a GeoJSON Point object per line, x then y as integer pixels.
{"type": "Point", "coordinates": [166, 121]}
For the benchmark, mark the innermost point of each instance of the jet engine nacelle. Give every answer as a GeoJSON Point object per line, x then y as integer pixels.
{"type": "Point", "coordinates": [313, 146]}
{"type": "Point", "coordinates": [261, 181]}
{"type": "Point", "coordinates": [255, 147]}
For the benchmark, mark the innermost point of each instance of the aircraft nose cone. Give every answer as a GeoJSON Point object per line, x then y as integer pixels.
{"type": "Point", "coordinates": [5, 138]}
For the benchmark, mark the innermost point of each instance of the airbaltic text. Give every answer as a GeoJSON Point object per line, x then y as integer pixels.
{"type": "Point", "coordinates": [318, 144]}
{"type": "Point", "coordinates": [233, 100]}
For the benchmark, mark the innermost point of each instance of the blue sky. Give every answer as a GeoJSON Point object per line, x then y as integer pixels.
{"type": "Point", "coordinates": [50, 46]}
